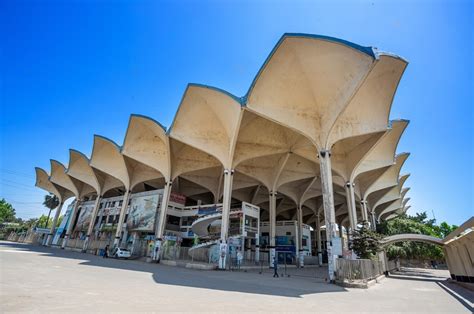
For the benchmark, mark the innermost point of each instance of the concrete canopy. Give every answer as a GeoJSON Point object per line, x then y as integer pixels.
{"type": "Point", "coordinates": [326, 89]}
{"type": "Point", "coordinates": [259, 137]}
{"type": "Point", "coordinates": [389, 177]}
{"type": "Point", "coordinates": [112, 170]}
{"type": "Point", "coordinates": [387, 208]}
{"type": "Point", "coordinates": [382, 154]}
{"type": "Point", "coordinates": [59, 177]}
{"type": "Point", "coordinates": [277, 170]}
{"type": "Point", "coordinates": [185, 158]}
{"type": "Point", "coordinates": [208, 119]}
{"type": "Point", "coordinates": [80, 169]}
{"type": "Point", "coordinates": [146, 141]}
{"type": "Point", "coordinates": [390, 194]}
{"type": "Point", "coordinates": [43, 181]}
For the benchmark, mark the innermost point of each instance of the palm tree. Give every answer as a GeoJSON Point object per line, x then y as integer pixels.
{"type": "Point", "coordinates": [51, 202]}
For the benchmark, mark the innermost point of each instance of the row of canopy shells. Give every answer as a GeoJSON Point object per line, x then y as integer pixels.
{"type": "Point", "coordinates": [313, 94]}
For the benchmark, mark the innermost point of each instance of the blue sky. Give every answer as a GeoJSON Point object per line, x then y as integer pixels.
{"type": "Point", "coordinates": [71, 69]}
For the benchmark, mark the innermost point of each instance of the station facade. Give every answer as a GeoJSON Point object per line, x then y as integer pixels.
{"type": "Point", "coordinates": [307, 155]}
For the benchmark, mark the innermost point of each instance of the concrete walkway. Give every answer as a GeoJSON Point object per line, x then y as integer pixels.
{"type": "Point", "coordinates": [42, 279]}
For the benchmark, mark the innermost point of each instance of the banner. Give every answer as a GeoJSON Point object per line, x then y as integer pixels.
{"type": "Point", "coordinates": [141, 216]}
{"type": "Point", "coordinates": [64, 223]}
{"type": "Point", "coordinates": [84, 218]}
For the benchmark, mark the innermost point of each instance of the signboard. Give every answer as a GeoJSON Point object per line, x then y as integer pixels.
{"type": "Point", "coordinates": [141, 216]}
{"type": "Point", "coordinates": [284, 240]}
{"type": "Point", "coordinates": [177, 198]}
{"type": "Point", "coordinates": [336, 246]}
{"type": "Point", "coordinates": [285, 248]}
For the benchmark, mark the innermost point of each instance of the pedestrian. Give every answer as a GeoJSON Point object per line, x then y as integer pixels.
{"type": "Point", "coordinates": [275, 267]}
{"type": "Point", "coordinates": [106, 251]}
{"type": "Point", "coordinates": [239, 258]}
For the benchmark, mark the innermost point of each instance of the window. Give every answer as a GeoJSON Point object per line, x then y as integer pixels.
{"type": "Point", "coordinates": [173, 220]}
{"type": "Point", "coordinates": [120, 203]}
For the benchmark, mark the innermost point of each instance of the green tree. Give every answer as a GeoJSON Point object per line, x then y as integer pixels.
{"type": "Point", "coordinates": [365, 242]}
{"type": "Point", "coordinates": [446, 229]}
{"type": "Point", "coordinates": [44, 222]}
{"type": "Point", "coordinates": [51, 202]}
{"type": "Point", "coordinates": [7, 212]}
{"type": "Point", "coordinates": [418, 224]}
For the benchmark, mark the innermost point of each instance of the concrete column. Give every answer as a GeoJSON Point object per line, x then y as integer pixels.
{"type": "Point", "coordinates": [318, 240]}
{"type": "Point", "coordinates": [328, 204]}
{"type": "Point", "coordinates": [257, 242]}
{"type": "Point", "coordinates": [95, 211]}
{"type": "Point", "coordinates": [71, 223]}
{"type": "Point", "coordinates": [272, 218]}
{"type": "Point", "coordinates": [123, 213]}
{"type": "Point", "coordinates": [299, 212]}
{"type": "Point", "coordinates": [55, 221]}
{"type": "Point", "coordinates": [348, 239]}
{"type": "Point", "coordinates": [257, 247]}
{"type": "Point", "coordinates": [341, 234]}
{"type": "Point", "coordinates": [161, 223]}
{"type": "Point", "coordinates": [363, 206]}
{"type": "Point", "coordinates": [226, 202]}
{"type": "Point", "coordinates": [374, 221]}
{"type": "Point", "coordinates": [351, 207]}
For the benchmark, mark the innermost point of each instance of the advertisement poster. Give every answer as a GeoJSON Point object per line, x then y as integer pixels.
{"type": "Point", "coordinates": [84, 218]}
{"type": "Point", "coordinates": [64, 224]}
{"type": "Point", "coordinates": [141, 216]}
{"type": "Point", "coordinates": [170, 247]}
{"type": "Point", "coordinates": [214, 255]}
{"type": "Point", "coordinates": [336, 246]}
{"type": "Point", "coordinates": [223, 253]}
{"type": "Point", "coordinates": [234, 245]}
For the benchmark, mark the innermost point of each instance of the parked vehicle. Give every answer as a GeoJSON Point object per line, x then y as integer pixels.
{"type": "Point", "coordinates": [121, 253]}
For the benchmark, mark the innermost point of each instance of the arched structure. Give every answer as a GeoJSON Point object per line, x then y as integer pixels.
{"type": "Point", "coordinates": [411, 237]}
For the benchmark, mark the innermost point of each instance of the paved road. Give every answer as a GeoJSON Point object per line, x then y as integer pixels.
{"type": "Point", "coordinates": [42, 279]}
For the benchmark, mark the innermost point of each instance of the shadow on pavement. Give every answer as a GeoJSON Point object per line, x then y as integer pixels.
{"type": "Point", "coordinates": [216, 280]}
{"type": "Point", "coordinates": [463, 295]}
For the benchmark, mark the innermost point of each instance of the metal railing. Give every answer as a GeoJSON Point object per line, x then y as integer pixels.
{"type": "Point", "coordinates": [359, 269]}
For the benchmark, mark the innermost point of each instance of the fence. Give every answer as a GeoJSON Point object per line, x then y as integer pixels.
{"type": "Point", "coordinates": [360, 269]}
